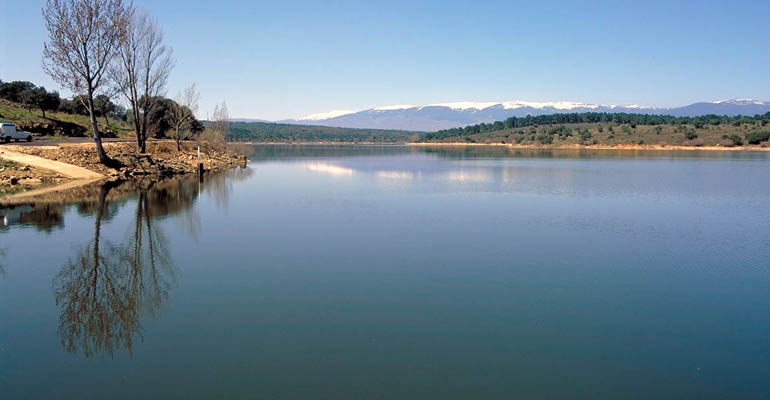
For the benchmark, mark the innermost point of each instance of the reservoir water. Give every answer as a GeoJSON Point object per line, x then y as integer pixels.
{"type": "Point", "coordinates": [386, 272]}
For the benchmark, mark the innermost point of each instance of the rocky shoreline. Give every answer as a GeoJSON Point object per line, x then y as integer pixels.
{"type": "Point", "coordinates": [161, 160]}
{"type": "Point", "coordinates": [16, 178]}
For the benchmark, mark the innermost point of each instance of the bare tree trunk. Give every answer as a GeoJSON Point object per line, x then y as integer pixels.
{"type": "Point", "coordinates": [178, 140]}
{"type": "Point", "coordinates": [107, 121]}
{"type": "Point", "coordinates": [103, 158]}
{"type": "Point", "coordinates": [144, 126]}
{"type": "Point", "coordinates": [137, 126]}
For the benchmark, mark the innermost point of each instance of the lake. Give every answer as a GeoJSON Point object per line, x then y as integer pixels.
{"type": "Point", "coordinates": [387, 272]}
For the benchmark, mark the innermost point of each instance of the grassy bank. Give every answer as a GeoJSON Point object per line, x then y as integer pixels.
{"type": "Point", "coordinates": [58, 123]}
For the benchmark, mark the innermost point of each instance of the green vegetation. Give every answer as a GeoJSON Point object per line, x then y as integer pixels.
{"type": "Point", "coordinates": [285, 133]}
{"type": "Point", "coordinates": [5, 164]}
{"type": "Point", "coordinates": [758, 137]}
{"type": "Point", "coordinates": [36, 110]}
{"type": "Point", "coordinates": [614, 129]}
{"type": "Point", "coordinates": [59, 123]}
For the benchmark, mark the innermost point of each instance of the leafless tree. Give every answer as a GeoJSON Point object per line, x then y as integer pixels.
{"type": "Point", "coordinates": [83, 37]}
{"type": "Point", "coordinates": [221, 120]}
{"type": "Point", "coordinates": [183, 112]}
{"type": "Point", "coordinates": [141, 69]}
{"type": "Point", "coordinates": [217, 127]}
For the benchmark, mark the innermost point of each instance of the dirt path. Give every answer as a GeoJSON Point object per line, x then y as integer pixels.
{"type": "Point", "coordinates": [68, 170]}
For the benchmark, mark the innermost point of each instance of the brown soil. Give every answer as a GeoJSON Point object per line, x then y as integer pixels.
{"type": "Point", "coordinates": [16, 178]}
{"type": "Point", "coordinates": [162, 158]}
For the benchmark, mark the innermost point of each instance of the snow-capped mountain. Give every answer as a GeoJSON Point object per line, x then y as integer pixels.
{"type": "Point", "coordinates": [433, 117]}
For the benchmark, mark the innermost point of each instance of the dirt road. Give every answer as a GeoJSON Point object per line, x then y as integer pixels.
{"type": "Point", "coordinates": [68, 170]}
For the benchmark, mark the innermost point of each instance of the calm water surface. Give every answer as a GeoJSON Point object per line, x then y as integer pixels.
{"type": "Point", "coordinates": [398, 273]}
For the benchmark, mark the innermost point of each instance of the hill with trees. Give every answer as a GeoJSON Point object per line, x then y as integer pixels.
{"type": "Point", "coordinates": [37, 110]}
{"type": "Point", "coordinates": [614, 129]}
{"type": "Point", "coordinates": [286, 133]}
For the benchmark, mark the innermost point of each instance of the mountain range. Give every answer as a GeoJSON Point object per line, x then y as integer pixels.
{"type": "Point", "coordinates": [434, 117]}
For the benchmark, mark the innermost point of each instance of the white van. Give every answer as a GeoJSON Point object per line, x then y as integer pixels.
{"type": "Point", "coordinates": [8, 131]}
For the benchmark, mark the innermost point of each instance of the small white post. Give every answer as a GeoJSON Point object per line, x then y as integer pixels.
{"type": "Point", "coordinates": [200, 164]}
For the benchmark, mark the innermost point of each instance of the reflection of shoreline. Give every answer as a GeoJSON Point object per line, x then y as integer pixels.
{"type": "Point", "coordinates": [106, 289]}
{"type": "Point", "coordinates": [25, 196]}
{"type": "Point", "coordinates": [45, 211]}
{"type": "Point", "coordinates": [109, 286]}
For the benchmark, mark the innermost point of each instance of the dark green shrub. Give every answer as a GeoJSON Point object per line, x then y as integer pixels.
{"type": "Point", "coordinates": [690, 134]}
{"type": "Point", "coordinates": [757, 137]}
{"type": "Point", "coordinates": [545, 138]}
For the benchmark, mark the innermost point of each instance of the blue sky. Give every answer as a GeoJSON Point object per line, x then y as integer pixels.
{"type": "Point", "coordinates": [283, 59]}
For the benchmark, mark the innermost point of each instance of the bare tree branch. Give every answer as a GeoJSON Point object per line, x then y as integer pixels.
{"type": "Point", "coordinates": [183, 112]}
{"type": "Point", "coordinates": [82, 41]}
{"type": "Point", "coordinates": [141, 69]}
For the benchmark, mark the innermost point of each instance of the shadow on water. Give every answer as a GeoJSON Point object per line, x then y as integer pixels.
{"type": "Point", "coordinates": [109, 285]}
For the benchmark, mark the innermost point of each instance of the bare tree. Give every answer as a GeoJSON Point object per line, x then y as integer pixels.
{"type": "Point", "coordinates": [82, 41]}
{"type": "Point", "coordinates": [183, 112]}
{"type": "Point", "coordinates": [217, 127]}
{"type": "Point", "coordinates": [141, 70]}
{"type": "Point", "coordinates": [221, 121]}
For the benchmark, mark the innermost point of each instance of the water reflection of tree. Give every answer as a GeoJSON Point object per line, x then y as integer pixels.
{"type": "Point", "coordinates": [106, 289]}
{"type": "Point", "coordinates": [99, 312]}
{"type": "Point", "coordinates": [220, 186]}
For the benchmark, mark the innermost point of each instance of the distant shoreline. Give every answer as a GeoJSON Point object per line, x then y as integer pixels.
{"type": "Point", "coordinates": [654, 147]}
{"type": "Point", "coordinates": [325, 143]}
{"type": "Point", "coordinates": [644, 147]}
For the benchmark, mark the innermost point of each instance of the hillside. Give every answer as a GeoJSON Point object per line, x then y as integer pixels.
{"type": "Point", "coordinates": [58, 123]}
{"type": "Point", "coordinates": [286, 133]}
{"type": "Point", "coordinates": [614, 129]}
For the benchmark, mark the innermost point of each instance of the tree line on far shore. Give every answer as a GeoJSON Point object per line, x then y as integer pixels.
{"type": "Point", "coordinates": [631, 120]}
